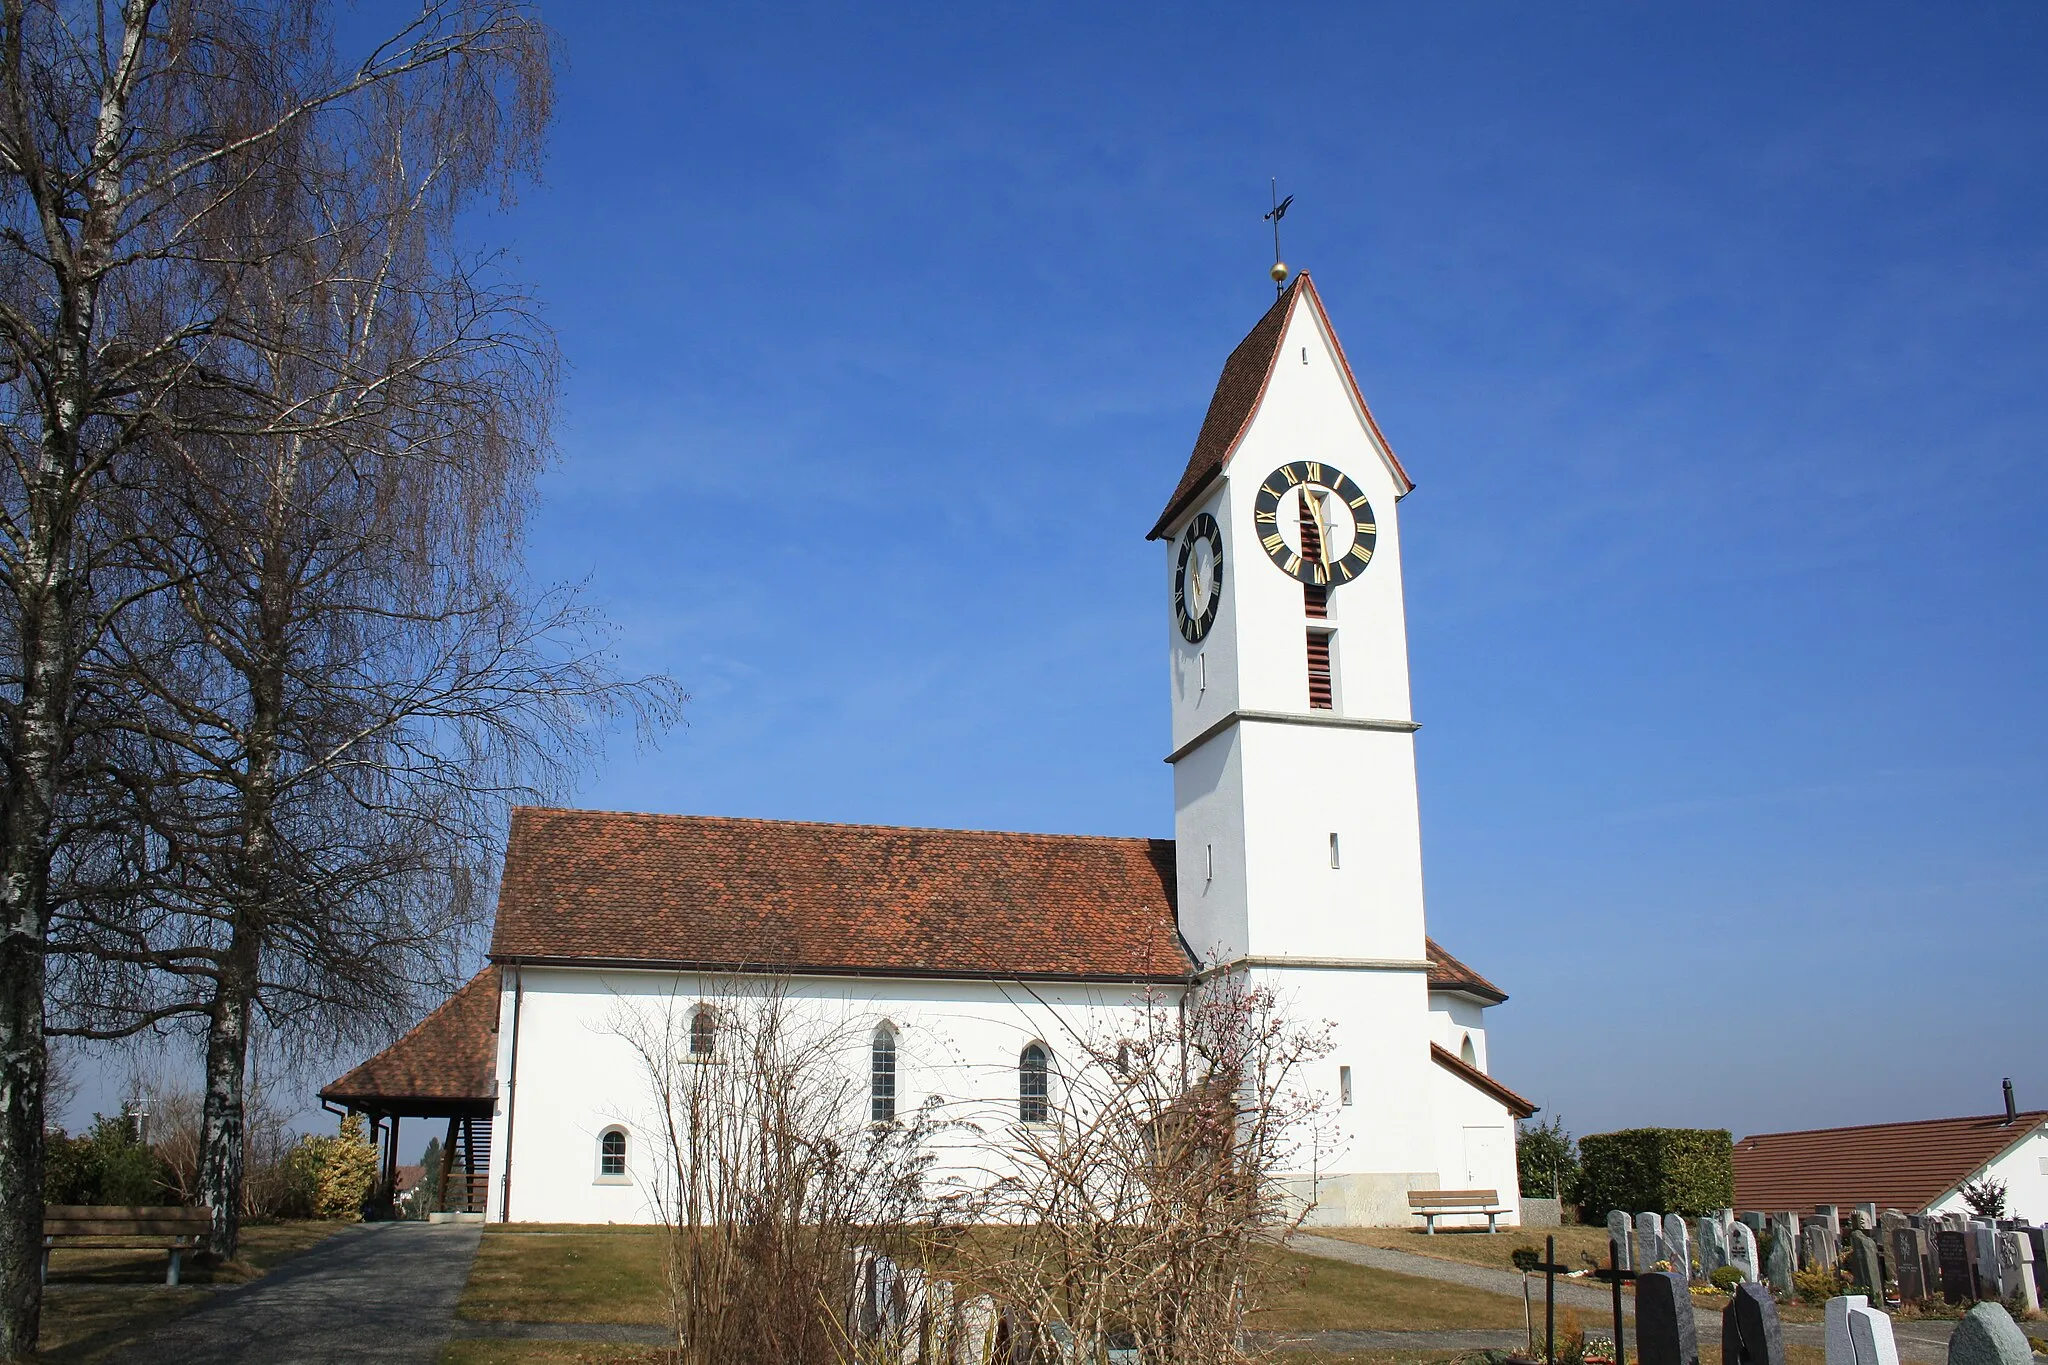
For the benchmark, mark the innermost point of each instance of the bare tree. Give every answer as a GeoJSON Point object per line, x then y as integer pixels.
{"type": "Point", "coordinates": [133, 136]}
{"type": "Point", "coordinates": [768, 1173]}
{"type": "Point", "coordinates": [1136, 1211]}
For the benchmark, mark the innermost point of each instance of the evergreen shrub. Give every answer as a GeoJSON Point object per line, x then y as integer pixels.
{"type": "Point", "coordinates": [1656, 1170]}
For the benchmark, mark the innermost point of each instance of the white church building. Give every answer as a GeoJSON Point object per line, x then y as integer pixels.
{"type": "Point", "coordinates": [967, 961]}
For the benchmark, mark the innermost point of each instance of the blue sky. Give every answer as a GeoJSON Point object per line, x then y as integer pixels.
{"type": "Point", "coordinates": [1713, 337]}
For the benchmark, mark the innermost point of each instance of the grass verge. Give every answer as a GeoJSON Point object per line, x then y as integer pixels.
{"type": "Point", "coordinates": [1578, 1247]}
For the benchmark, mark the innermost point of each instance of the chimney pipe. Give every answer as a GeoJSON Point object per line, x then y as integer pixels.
{"type": "Point", "coordinates": [2012, 1111]}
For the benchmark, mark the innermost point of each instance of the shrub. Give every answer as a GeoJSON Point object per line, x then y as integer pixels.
{"type": "Point", "coordinates": [1664, 1170]}
{"type": "Point", "coordinates": [1526, 1259]}
{"type": "Point", "coordinates": [1546, 1159]}
{"type": "Point", "coordinates": [104, 1165]}
{"type": "Point", "coordinates": [332, 1176]}
{"type": "Point", "coordinates": [1819, 1283]}
{"type": "Point", "coordinates": [1725, 1278]}
{"type": "Point", "coordinates": [1985, 1197]}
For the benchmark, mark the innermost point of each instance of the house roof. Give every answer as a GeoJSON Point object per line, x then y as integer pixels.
{"type": "Point", "coordinates": [448, 1062]}
{"type": "Point", "coordinates": [715, 893]}
{"type": "Point", "coordinates": [1446, 973]}
{"type": "Point", "coordinates": [1238, 391]}
{"type": "Point", "coordinates": [1906, 1166]}
{"type": "Point", "coordinates": [1479, 1080]}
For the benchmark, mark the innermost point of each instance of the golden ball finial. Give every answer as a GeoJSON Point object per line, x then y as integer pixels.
{"type": "Point", "coordinates": [1279, 272]}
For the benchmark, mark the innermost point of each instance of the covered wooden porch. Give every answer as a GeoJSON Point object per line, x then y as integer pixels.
{"type": "Point", "coordinates": [444, 1070]}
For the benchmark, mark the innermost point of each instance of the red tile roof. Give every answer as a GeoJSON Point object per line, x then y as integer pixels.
{"type": "Point", "coordinates": [1905, 1166]}
{"type": "Point", "coordinates": [1238, 391]}
{"type": "Point", "coordinates": [449, 1059]}
{"type": "Point", "coordinates": [1446, 973]}
{"type": "Point", "coordinates": [1473, 1076]}
{"type": "Point", "coordinates": [790, 896]}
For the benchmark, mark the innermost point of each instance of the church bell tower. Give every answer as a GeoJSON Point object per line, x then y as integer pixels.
{"type": "Point", "coordinates": [1297, 838]}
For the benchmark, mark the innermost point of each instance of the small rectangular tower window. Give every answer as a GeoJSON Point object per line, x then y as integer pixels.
{"type": "Point", "coordinates": [1343, 1085]}
{"type": "Point", "coordinates": [1322, 692]}
{"type": "Point", "coordinates": [1208, 862]}
{"type": "Point", "coordinates": [1333, 849]}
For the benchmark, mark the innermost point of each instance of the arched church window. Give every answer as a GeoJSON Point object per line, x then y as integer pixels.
{"type": "Point", "coordinates": [703, 1032]}
{"type": "Point", "coordinates": [1467, 1053]}
{"type": "Point", "coordinates": [1032, 1079]}
{"type": "Point", "coordinates": [882, 1075]}
{"type": "Point", "coordinates": [611, 1154]}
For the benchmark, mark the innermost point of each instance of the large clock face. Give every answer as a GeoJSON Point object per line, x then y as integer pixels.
{"type": "Point", "coordinates": [1314, 522]}
{"type": "Point", "coordinates": [1198, 578]}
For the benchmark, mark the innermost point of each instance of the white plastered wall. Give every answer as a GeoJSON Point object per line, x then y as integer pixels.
{"type": "Point", "coordinates": [1475, 1139]}
{"type": "Point", "coordinates": [2024, 1169]}
{"type": "Point", "coordinates": [1453, 1019]}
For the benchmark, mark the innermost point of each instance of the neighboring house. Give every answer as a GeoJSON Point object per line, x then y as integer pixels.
{"type": "Point", "coordinates": [1917, 1167]}
{"type": "Point", "coordinates": [966, 966]}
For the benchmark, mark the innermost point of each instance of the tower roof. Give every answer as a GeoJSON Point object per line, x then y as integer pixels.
{"type": "Point", "coordinates": [1238, 392]}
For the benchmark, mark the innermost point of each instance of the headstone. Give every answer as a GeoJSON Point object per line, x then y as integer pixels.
{"type": "Point", "coordinates": [2016, 1271]}
{"type": "Point", "coordinates": [1833, 1213]}
{"type": "Point", "coordinates": [1865, 1216]}
{"type": "Point", "coordinates": [1930, 1261]}
{"type": "Point", "coordinates": [1984, 1259]}
{"type": "Point", "coordinates": [942, 1322]}
{"type": "Point", "coordinates": [1778, 1261]}
{"type": "Point", "coordinates": [1987, 1335]}
{"type": "Point", "coordinates": [1649, 1241]}
{"type": "Point", "coordinates": [1756, 1220]}
{"type": "Point", "coordinates": [977, 1330]}
{"type": "Point", "coordinates": [1909, 1262]}
{"type": "Point", "coordinates": [2037, 1239]}
{"type": "Point", "coordinates": [1749, 1328]}
{"type": "Point", "coordinates": [1813, 1245]}
{"type": "Point", "coordinates": [1841, 1349]}
{"type": "Point", "coordinates": [1678, 1246]}
{"type": "Point", "coordinates": [1888, 1224]}
{"type": "Point", "coordinates": [1742, 1253]}
{"type": "Point", "coordinates": [1863, 1265]}
{"type": "Point", "coordinates": [1952, 1251]}
{"type": "Point", "coordinates": [1619, 1229]}
{"type": "Point", "coordinates": [1713, 1246]}
{"type": "Point", "coordinates": [1870, 1332]}
{"type": "Point", "coordinates": [911, 1329]}
{"type": "Point", "coordinates": [1664, 1327]}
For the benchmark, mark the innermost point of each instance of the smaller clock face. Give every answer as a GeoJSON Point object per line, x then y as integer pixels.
{"type": "Point", "coordinates": [1198, 578]}
{"type": "Point", "coordinates": [1314, 522]}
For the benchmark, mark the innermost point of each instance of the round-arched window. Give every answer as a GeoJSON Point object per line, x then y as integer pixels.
{"type": "Point", "coordinates": [703, 1032]}
{"type": "Point", "coordinates": [1468, 1054]}
{"type": "Point", "coordinates": [611, 1153]}
{"type": "Point", "coordinates": [882, 1076]}
{"type": "Point", "coordinates": [1032, 1076]}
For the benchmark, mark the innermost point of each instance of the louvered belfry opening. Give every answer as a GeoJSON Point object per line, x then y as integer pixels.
{"type": "Point", "coordinates": [1315, 598]}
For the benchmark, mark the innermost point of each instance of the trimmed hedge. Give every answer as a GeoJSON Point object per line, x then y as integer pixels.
{"type": "Point", "coordinates": [1657, 1170]}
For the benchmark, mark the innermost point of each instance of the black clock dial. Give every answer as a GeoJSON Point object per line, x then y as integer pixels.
{"type": "Point", "coordinates": [1337, 543]}
{"type": "Point", "coordinates": [1198, 578]}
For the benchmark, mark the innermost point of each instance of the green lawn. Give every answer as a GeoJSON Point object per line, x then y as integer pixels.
{"type": "Point", "coordinates": [1578, 1247]}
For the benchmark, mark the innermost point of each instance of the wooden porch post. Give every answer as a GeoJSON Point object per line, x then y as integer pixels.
{"type": "Point", "coordinates": [448, 1164]}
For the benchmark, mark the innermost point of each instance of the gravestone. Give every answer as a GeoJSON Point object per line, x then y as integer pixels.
{"type": "Point", "coordinates": [1987, 1335]}
{"type": "Point", "coordinates": [977, 1332]}
{"type": "Point", "coordinates": [1756, 1222]}
{"type": "Point", "coordinates": [1742, 1253]}
{"type": "Point", "coordinates": [1664, 1327]}
{"type": "Point", "coordinates": [1833, 1213]}
{"type": "Point", "coordinates": [1678, 1246]}
{"type": "Point", "coordinates": [1952, 1253]}
{"type": "Point", "coordinates": [911, 1328]}
{"type": "Point", "coordinates": [1649, 1241]}
{"type": "Point", "coordinates": [1713, 1247]}
{"type": "Point", "coordinates": [1870, 1332]}
{"type": "Point", "coordinates": [1984, 1259]}
{"type": "Point", "coordinates": [1864, 1267]}
{"type": "Point", "coordinates": [2016, 1271]}
{"type": "Point", "coordinates": [1864, 1217]}
{"type": "Point", "coordinates": [1841, 1348]}
{"type": "Point", "coordinates": [1749, 1328]}
{"type": "Point", "coordinates": [1619, 1230]}
{"type": "Point", "coordinates": [2038, 1240]}
{"type": "Point", "coordinates": [1930, 1262]}
{"type": "Point", "coordinates": [1909, 1262]}
{"type": "Point", "coordinates": [1779, 1259]}
{"type": "Point", "coordinates": [942, 1321]}
{"type": "Point", "coordinates": [1813, 1245]}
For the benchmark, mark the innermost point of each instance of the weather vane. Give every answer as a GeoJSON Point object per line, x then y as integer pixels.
{"type": "Point", "coordinates": [1279, 211]}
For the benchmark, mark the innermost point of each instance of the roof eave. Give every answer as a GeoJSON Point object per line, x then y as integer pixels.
{"type": "Point", "coordinates": [1473, 1076]}
{"type": "Point", "coordinates": [643, 964]}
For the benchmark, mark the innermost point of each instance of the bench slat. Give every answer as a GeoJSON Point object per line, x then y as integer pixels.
{"type": "Point", "coordinates": [1420, 1199]}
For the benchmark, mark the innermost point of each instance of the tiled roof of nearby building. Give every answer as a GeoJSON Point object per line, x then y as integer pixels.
{"type": "Point", "coordinates": [791, 896]}
{"type": "Point", "coordinates": [1446, 973]}
{"type": "Point", "coordinates": [1238, 391]}
{"type": "Point", "coordinates": [1473, 1076]}
{"type": "Point", "coordinates": [449, 1057]}
{"type": "Point", "coordinates": [1905, 1166]}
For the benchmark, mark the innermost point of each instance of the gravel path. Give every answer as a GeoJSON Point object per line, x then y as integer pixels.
{"type": "Point", "coordinates": [375, 1292]}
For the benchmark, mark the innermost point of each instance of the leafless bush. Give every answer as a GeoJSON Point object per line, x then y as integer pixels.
{"type": "Point", "coordinates": [1135, 1214]}
{"type": "Point", "coordinates": [772, 1180]}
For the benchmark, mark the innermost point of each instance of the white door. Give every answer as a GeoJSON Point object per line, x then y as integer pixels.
{"type": "Point", "coordinates": [1488, 1158]}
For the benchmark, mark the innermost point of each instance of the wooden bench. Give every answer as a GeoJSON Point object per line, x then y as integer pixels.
{"type": "Point", "coordinates": [114, 1227]}
{"type": "Point", "coordinates": [1432, 1204]}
